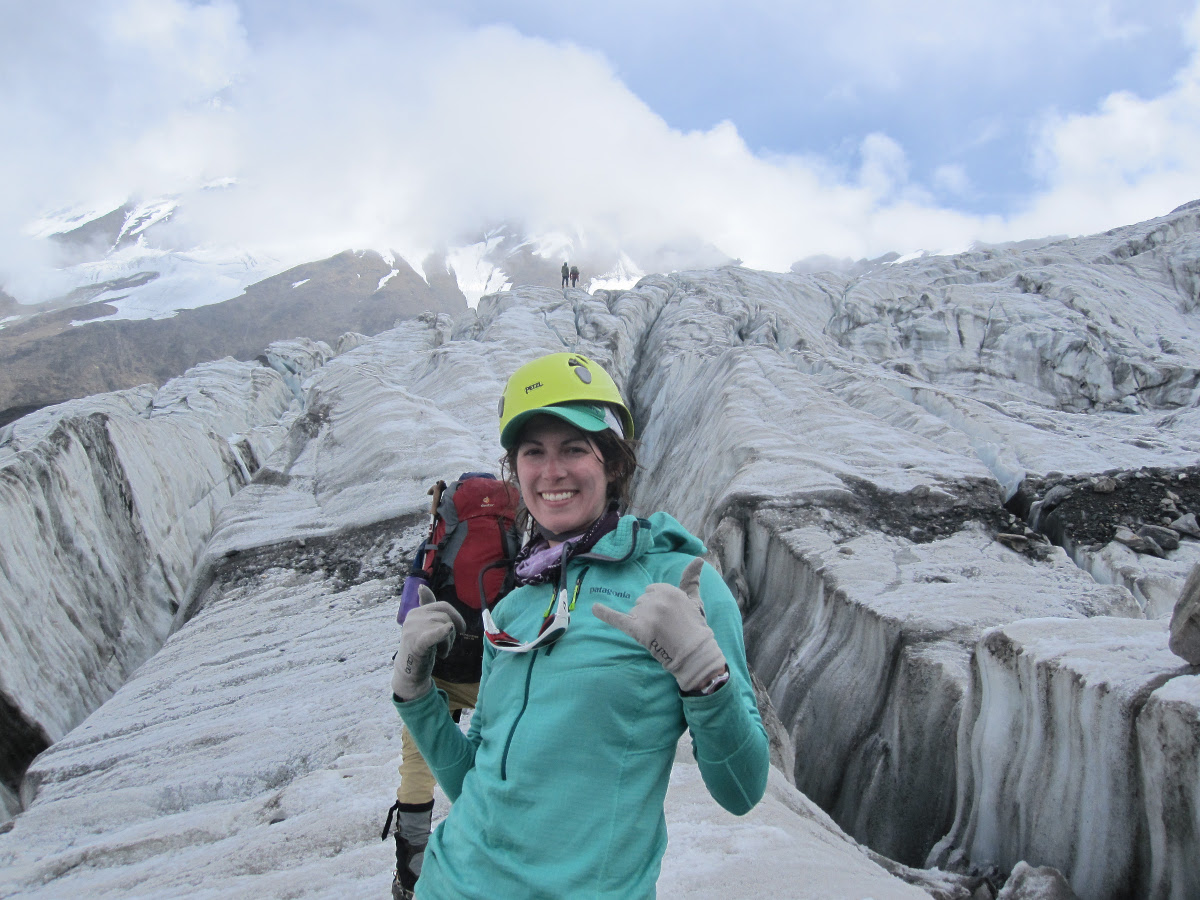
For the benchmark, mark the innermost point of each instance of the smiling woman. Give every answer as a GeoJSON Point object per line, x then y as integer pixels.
{"type": "Point", "coordinates": [603, 691]}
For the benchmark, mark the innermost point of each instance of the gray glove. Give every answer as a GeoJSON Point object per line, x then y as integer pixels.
{"type": "Point", "coordinates": [669, 622]}
{"type": "Point", "coordinates": [428, 633]}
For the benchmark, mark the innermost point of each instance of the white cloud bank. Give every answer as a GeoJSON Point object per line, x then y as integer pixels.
{"type": "Point", "coordinates": [391, 128]}
{"type": "Point", "coordinates": [1130, 159]}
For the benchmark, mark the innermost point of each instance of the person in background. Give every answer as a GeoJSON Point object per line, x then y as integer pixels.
{"type": "Point", "coordinates": [414, 798]}
{"type": "Point", "coordinates": [566, 273]}
{"type": "Point", "coordinates": [574, 275]}
{"type": "Point", "coordinates": [617, 638]}
{"type": "Point", "coordinates": [465, 560]}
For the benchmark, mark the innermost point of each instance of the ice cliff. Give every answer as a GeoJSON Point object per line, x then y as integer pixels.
{"type": "Point", "coordinates": [107, 502]}
{"type": "Point", "coordinates": [915, 478]}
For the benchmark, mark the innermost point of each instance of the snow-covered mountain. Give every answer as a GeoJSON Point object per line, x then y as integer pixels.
{"type": "Point", "coordinates": [955, 497]}
{"type": "Point", "coordinates": [139, 259]}
{"type": "Point", "coordinates": [132, 300]}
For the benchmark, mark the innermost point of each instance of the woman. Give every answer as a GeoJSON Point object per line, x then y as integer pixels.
{"type": "Point", "coordinates": [593, 667]}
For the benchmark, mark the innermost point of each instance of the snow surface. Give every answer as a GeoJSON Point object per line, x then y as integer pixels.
{"type": "Point", "coordinates": [624, 275]}
{"type": "Point", "coordinates": [254, 757]}
{"type": "Point", "coordinates": [476, 272]}
{"type": "Point", "coordinates": [68, 219]}
{"type": "Point", "coordinates": [844, 443]}
{"type": "Point", "coordinates": [106, 503]}
{"type": "Point", "coordinates": [146, 215]}
{"type": "Point", "coordinates": [182, 280]}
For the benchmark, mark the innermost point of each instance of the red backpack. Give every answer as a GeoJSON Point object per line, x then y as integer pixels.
{"type": "Point", "coordinates": [472, 541]}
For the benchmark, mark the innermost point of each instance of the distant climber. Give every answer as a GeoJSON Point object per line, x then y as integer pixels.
{"type": "Point", "coordinates": [574, 275]}
{"type": "Point", "coordinates": [566, 273]}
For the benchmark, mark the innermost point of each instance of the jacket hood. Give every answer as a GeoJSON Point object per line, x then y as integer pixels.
{"type": "Point", "coordinates": [635, 537]}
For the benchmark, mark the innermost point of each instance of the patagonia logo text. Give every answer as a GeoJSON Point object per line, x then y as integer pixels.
{"type": "Point", "coordinates": [621, 595]}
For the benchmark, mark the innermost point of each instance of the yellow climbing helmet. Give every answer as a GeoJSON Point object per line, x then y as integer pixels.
{"type": "Point", "coordinates": [567, 385]}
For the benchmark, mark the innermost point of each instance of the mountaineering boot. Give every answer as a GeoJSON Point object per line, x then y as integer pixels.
{"type": "Point", "coordinates": [408, 869]}
{"type": "Point", "coordinates": [413, 821]}
{"type": "Point", "coordinates": [404, 881]}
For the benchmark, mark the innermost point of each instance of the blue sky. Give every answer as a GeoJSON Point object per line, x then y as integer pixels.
{"type": "Point", "coordinates": [954, 84]}
{"type": "Point", "coordinates": [671, 130]}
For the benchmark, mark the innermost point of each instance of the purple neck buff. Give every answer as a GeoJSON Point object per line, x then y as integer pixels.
{"type": "Point", "coordinates": [538, 562]}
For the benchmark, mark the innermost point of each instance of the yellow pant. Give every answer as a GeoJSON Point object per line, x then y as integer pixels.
{"type": "Point", "coordinates": [416, 781]}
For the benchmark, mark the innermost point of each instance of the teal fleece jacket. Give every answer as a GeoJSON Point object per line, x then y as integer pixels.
{"type": "Point", "coordinates": [558, 787]}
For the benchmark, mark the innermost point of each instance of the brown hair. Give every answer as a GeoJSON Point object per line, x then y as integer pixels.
{"type": "Point", "coordinates": [619, 456]}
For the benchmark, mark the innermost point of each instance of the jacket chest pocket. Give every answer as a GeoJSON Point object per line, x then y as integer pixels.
{"type": "Point", "coordinates": [599, 674]}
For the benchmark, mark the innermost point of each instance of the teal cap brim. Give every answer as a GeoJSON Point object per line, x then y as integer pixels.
{"type": "Point", "coordinates": [588, 417]}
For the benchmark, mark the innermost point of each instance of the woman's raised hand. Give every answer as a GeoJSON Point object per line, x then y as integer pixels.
{"type": "Point", "coordinates": [429, 632]}
{"type": "Point", "coordinates": [669, 622]}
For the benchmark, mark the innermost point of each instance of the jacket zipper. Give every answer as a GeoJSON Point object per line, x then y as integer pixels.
{"type": "Point", "coordinates": [517, 721]}
{"type": "Point", "coordinates": [529, 671]}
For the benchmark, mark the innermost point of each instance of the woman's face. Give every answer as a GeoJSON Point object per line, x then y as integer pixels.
{"type": "Point", "coordinates": [561, 475]}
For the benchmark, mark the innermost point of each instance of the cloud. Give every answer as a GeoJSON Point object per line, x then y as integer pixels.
{"type": "Point", "coordinates": [952, 179]}
{"type": "Point", "coordinates": [1130, 159]}
{"type": "Point", "coordinates": [387, 126]}
{"type": "Point", "coordinates": [884, 166]}
{"type": "Point", "coordinates": [104, 100]}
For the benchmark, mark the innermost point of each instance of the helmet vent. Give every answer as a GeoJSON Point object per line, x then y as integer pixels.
{"type": "Point", "coordinates": [584, 375]}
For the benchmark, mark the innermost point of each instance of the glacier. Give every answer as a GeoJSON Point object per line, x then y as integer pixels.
{"type": "Point", "coordinates": [910, 474]}
{"type": "Point", "coordinates": [108, 501]}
